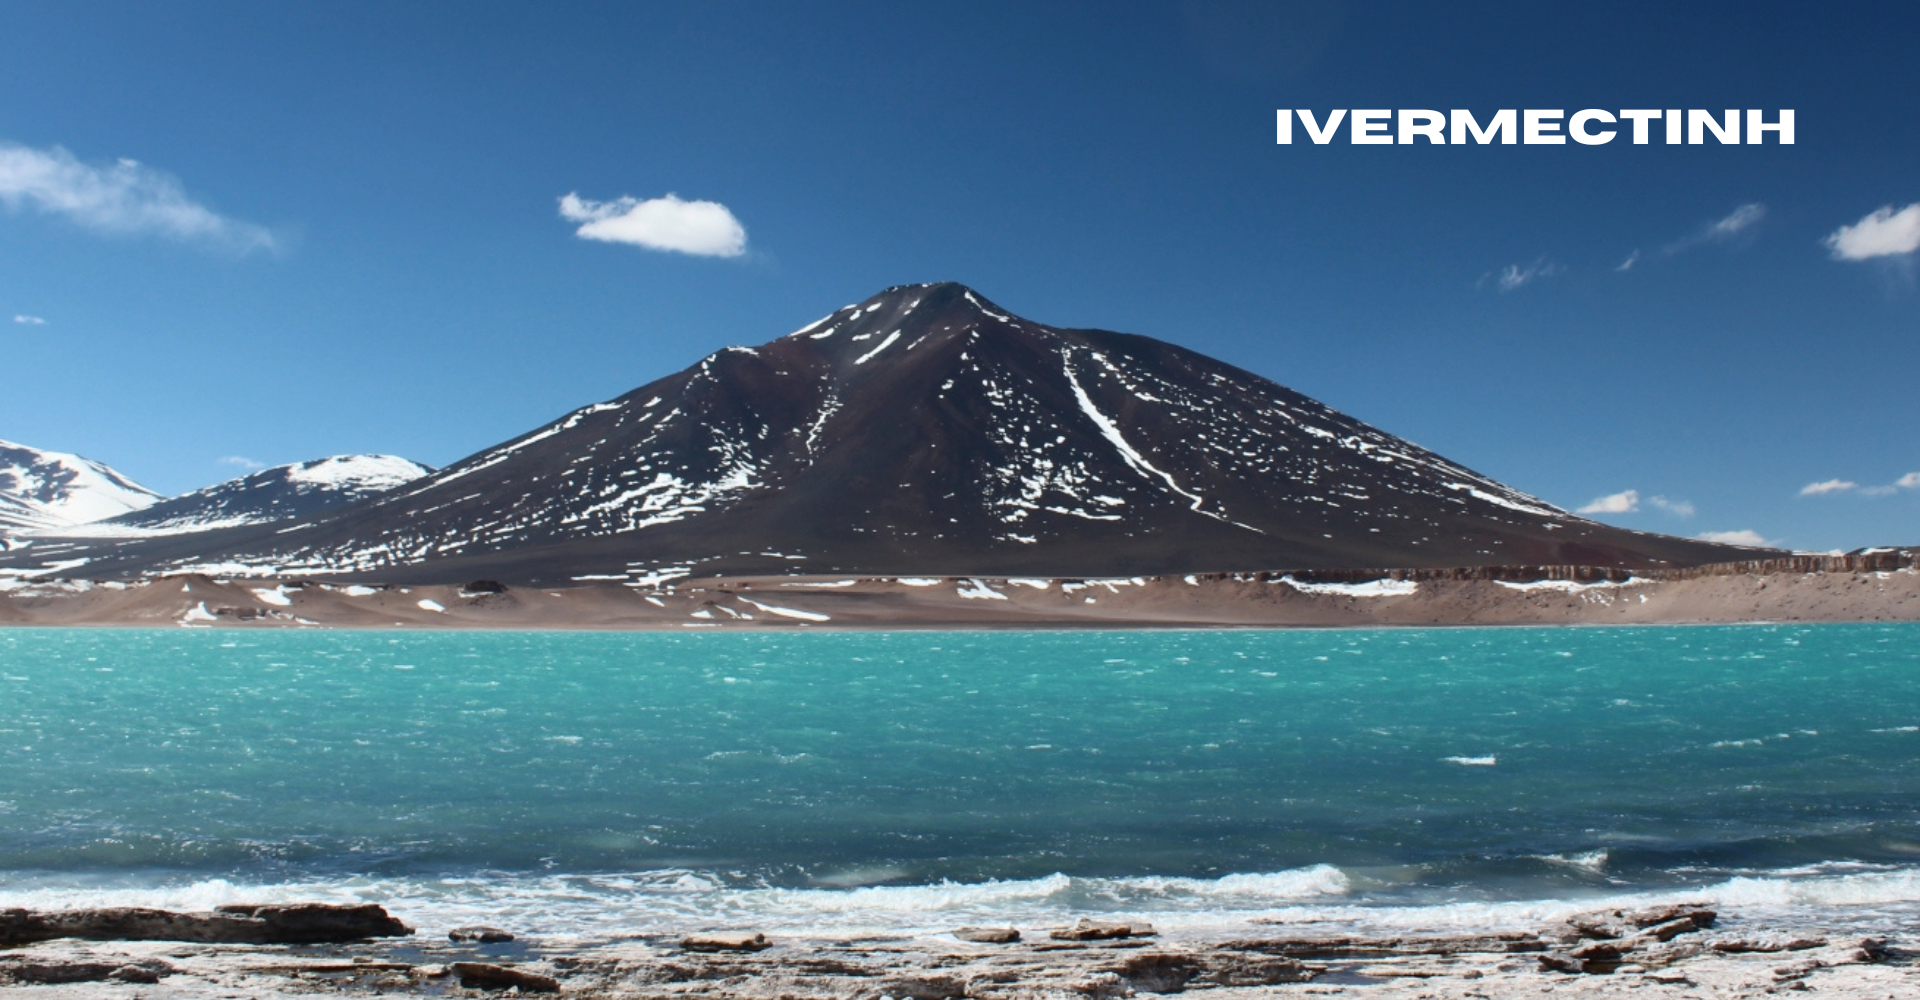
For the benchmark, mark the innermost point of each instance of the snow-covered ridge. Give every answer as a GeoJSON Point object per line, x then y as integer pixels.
{"type": "Point", "coordinates": [274, 494]}
{"type": "Point", "coordinates": [372, 472]}
{"type": "Point", "coordinates": [52, 489]}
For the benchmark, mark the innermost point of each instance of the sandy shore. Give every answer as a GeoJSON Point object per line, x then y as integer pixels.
{"type": "Point", "coordinates": [1626, 953]}
{"type": "Point", "coordinates": [1245, 600]}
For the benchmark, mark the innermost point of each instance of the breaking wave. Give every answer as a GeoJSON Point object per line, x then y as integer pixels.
{"type": "Point", "coordinates": [675, 902]}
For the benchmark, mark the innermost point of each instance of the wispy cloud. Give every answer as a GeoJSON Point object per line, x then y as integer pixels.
{"type": "Point", "coordinates": [1628, 502]}
{"type": "Point", "coordinates": [1738, 221]}
{"type": "Point", "coordinates": [26, 320]}
{"type": "Point", "coordinates": [700, 228]}
{"type": "Point", "coordinates": [1910, 481]}
{"type": "Point", "coordinates": [124, 197]}
{"type": "Point", "coordinates": [1745, 536]}
{"type": "Point", "coordinates": [243, 462]}
{"type": "Point", "coordinates": [1884, 232]}
{"type": "Point", "coordinates": [1632, 259]}
{"type": "Point", "coordinates": [1725, 230]}
{"type": "Point", "coordinates": [1517, 276]}
{"type": "Point", "coordinates": [1678, 508]}
{"type": "Point", "coordinates": [1623, 502]}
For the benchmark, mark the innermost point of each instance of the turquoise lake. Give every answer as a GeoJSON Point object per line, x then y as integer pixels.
{"type": "Point", "coordinates": [582, 781]}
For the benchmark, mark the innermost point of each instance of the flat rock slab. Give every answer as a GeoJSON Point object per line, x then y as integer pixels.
{"type": "Point", "coordinates": [929, 987]}
{"type": "Point", "coordinates": [1095, 930]}
{"type": "Point", "coordinates": [1663, 922]}
{"type": "Point", "coordinates": [483, 935]}
{"type": "Point", "coordinates": [31, 970]}
{"type": "Point", "coordinates": [262, 923]}
{"type": "Point", "coordinates": [726, 941]}
{"type": "Point", "coordinates": [1374, 947]}
{"type": "Point", "coordinates": [987, 935]}
{"type": "Point", "coordinates": [1736, 945]}
{"type": "Point", "coordinates": [482, 976]}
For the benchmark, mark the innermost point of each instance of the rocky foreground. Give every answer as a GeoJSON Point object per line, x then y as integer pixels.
{"type": "Point", "coordinates": [306, 949]}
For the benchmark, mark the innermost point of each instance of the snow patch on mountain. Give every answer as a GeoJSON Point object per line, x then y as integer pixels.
{"type": "Point", "coordinates": [357, 472]}
{"type": "Point", "coordinates": [1111, 432]}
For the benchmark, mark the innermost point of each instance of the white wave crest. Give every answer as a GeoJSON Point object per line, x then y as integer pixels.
{"type": "Point", "coordinates": [669, 902]}
{"type": "Point", "coordinates": [677, 901]}
{"type": "Point", "coordinates": [1593, 861]}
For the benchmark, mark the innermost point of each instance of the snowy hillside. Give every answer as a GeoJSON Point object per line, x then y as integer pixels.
{"type": "Point", "coordinates": [51, 489]}
{"type": "Point", "coordinates": [258, 498]}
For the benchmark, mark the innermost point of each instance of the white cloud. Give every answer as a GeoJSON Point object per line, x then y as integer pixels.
{"type": "Point", "coordinates": [124, 197]}
{"type": "Point", "coordinates": [1737, 222]}
{"type": "Point", "coordinates": [1623, 502]}
{"type": "Point", "coordinates": [243, 462]}
{"type": "Point", "coordinates": [1745, 536]}
{"type": "Point", "coordinates": [1628, 502]}
{"type": "Point", "coordinates": [1678, 508]}
{"type": "Point", "coordinates": [1723, 230]}
{"type": "Point", "coordinates": [26, 320]}
{"type": "Point", "coordinates": [1632, 259]}
{"type": "Point", "coordinates": [1910, 481]}
{"type": "Point", "coordinates": [1882, 233]}
{"type": "Point", "coordinates": [1827, 486]}
{"type": "Point", "coordinates": [1514, 276]}
{"type": "Point", "coordinates": [701, 228]}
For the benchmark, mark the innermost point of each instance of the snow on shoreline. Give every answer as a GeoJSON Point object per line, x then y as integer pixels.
{"type": "Point", "coordinates": [1371, 588]}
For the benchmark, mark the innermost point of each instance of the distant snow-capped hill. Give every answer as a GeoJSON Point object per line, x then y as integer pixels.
{"type": "Point", "coordinates": [257, 498]}
{"type": "Point", "coordinates": [51, 489]}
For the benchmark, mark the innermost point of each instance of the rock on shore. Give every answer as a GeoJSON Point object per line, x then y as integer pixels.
{"type": "Point", "coordinates": [297, 923]}
{"type": "Point", "coordinates": [1661, 952]}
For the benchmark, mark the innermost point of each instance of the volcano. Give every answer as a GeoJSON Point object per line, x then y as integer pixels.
{"type": "Point", "coordinates": [926, 431]}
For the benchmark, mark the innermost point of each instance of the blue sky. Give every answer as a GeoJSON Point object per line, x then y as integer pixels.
{"type": "Point", "coordinates": [343, 228]}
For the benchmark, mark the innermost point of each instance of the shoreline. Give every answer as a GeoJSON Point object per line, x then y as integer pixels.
{"type": "Point", "coordinates": [1376, 599]}
{"type": "Point", "coordinates": [1042, 628]}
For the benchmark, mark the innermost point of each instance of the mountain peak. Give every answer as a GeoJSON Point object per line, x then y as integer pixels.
{"type": "Point", "coordinates": [917, 307]}
{"type": "Point", "coordinates": [929, 291]}
{"type": "Point", "coordinates": [360, 472]}
{"type": "Point", "coordinates": [42, 489]}
{"type": "Point", "coordinates": [936, 296]}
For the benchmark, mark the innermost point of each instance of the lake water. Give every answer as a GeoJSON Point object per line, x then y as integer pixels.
{"type": "Point", "coordinates": [600, 784]}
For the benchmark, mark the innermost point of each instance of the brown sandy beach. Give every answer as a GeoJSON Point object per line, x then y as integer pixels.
{"type": "Point", "coordinates": [1854, 588]}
